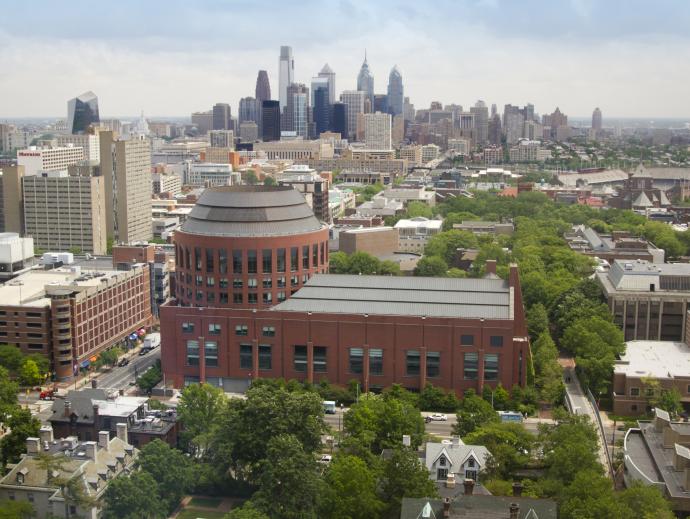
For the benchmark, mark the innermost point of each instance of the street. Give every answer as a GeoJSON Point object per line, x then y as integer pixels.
{"type": "Point", "coordinates": [120, 378]}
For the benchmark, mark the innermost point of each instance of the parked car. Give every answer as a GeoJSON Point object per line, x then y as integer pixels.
{"type": "Point", "coordinates": [143, 351]}
{"type": "Point", "coordinates": [326, 458]}
{"type": "Point", "coordinates": [123, 362]}
{"type": "Point", "coordinates": [436, 417]}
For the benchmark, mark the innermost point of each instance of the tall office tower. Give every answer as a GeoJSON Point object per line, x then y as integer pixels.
{"type": "Point", "coordinates": [528, 112]}
{"type": "Point", "coordinates": [11, 199]}
{"type": "Point", "coordinates": [126, 169]}
{"type": "Point", "coordinates": [321, 105]}
{"type": "Point", "coordinates": [82, 112]}
{"type": "Point", "coordinates": [436, 105]}
{"type": "Point", "coordinates": [339, 119]}
{"type": "Point", "coordinates": [596, 119]}
{"type": "Point", "coordinates": [408, 110]}
{"type": "Point", "coordinates": [88, 141]}
{"type": "Point", "coordinates": [513, 123]}
{"type": "Point", "coordinates": [248, 110]}
{"type": "Point", "coordinates": [221, 139]}
{"type": "Point", "coordinates": [377, 131]}
{"type": "Point", "coordinates": [328, 73]}
{"type": "Point", "coordinates": [296, 116]}
{"type": "Point", "coordinates": [398, 132]}
{"type": "Point", "coordinates": [36, 159]}
{"type": "Point", "coordinates": [62, 212]}
{"type": "Point", "coordinates": [354, 101]}
{"type": "Point", "coordinates": [481, 121]}
{"type": "Point", "coordinates": [395, 100]}
{"type": "Point", "coordinates": [494, 110]}
{"type": "Point", "coordinates": [286, 75]}
{"type": "Point", "coordinates": [495, 129]}
{"type": "Point", "coordinates": [262, 91]}
{"type": "Point", "coordinates": [222, 118]}
{"type": "Point", "coordinates": [380, 104]}
{"type": "Point", "coordinates": [203, 121]}
{"type": "Point", "coordinates": [270, 120]}
{"type": "Point", "coordinates": [365, 81]}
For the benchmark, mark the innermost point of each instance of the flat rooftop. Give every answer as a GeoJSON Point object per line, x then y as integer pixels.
{"type": "Point", "coordinates": [392, 295]}
{"type": "Point", "coordinates": [658, 359]}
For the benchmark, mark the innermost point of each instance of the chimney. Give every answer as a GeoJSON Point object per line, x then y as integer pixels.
{"type": "Point", "coordinates": [95, 413]}
{"type": "Point", "coordinates": [46, 434]}
{"type": "Point", "coordinates": [514, 511]}
{"type": "Point", "coordinates": [122, 431]}
{"type": "Point", "coordinates": [406, 440]}
{"type": "Point", "coordinates": [90, 450]}
{"type": "Point", "coordinates": [103, 439]}
{"type": "Point", "coordinates": [32, 445]}
{"type": "Point", "coordinates": [67, 409]}
{"type": "Point", "coordinates": [94, 383]}
{"type": "Point", "coordinates": [450, 480]}
{"type": "Point", "coordinates": [455, 441]}
{"type": "Point", "coordinates": [490, 267]}
{"type": "Point", "coordinates": [446, 507]}
{"type": "Point", "coordinates": [517, 489]}
{"type": "Point", "coordinates": [513, 278]}
{"type": "Point", "coordinates": [469, 486]}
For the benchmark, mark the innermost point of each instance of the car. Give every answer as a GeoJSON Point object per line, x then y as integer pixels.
{"type": "Point", "coordinates": [123, 362]}
{"type": "Point", "coordinates": [436, 417]}
{"type": "Point", "coordinates": [326, 458]}
{"type": "Point", "coordinates": [143, 351]}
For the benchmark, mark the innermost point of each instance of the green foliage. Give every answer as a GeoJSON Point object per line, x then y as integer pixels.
{"type": "Point", "coordinates": [350, 490]}
{"type": "Point", "coordinates": [29, 374]}
{"type": "Point", "coordinates": [151, 378]}
{"type": "Point", "coordinates": [537, 321]}
{"type": "Point", "coordinates": [380, 421]}
{"type": "Point", "coordinates": [664, 237]}
{"type": "Point", "coordinates": [453, 218]}
{"type": "Point", "coordinates": [433, 398]}
{"type": "Point", "coordinates": [361, 263]}
{"type": "Point", "coordinates": [549, 373]}
{"type": "Point", "coordinates": [247, 511]}
{"type": "Point", "coordinates": [269, 181]}
{"type": "Point", "coordinates": [108, 357]}
{"type": "Point", "coordinates": [170, 469]}
{"type": "Point", "coordinates": [199, 408]}
{"type": "Point", "coordinates": [431, 266]}
{"type": "Point", "coordinates": [10, 358]}
{"type": "Point", "coordinates": [16, 510]}
{"type": "Point", "coordinates": [474, 412]}
{"type": "Point", "coordinates": [133, 497]}
{"type": "Point", "coordinates": [21, 425]}
{"type": "Point", "coordinates": [250, 177]}
{"type": "Point", "coordinates": [510, 445]}
{"type": "Point", "coordinates": [445, 244]}
{"type": "Point", "coordinates": [416, 209]}
{"type": "Point", "coordinates": [666, 399]}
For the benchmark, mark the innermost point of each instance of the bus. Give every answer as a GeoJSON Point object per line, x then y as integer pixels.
{"type": "Point", "coordinates": [510, 416]}
{"type": "Point", "coordinates": [329, 406]}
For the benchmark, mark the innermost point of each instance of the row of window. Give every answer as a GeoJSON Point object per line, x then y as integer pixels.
{"type": "Point", "coordinates": [649, 392]}
{"type": "Point", "coordinates": [252, 283]}
{"type": "Point", "coordinates": [200, 258]}
{"type": "Point", "coordinates": [355, 364]}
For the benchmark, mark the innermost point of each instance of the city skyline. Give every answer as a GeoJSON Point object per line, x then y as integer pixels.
{"type": "Point", "coordinates": [576, 56]}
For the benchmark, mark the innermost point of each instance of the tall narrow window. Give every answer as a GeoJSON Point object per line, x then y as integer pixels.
{"type": "Point", "coordinates": [491, 366]}
{"type": "Point", "coordinates": [192, 353]}
{"type": "Point", "coordinates": [209, 260]}
{"type": "Point", "coordinates": [300, 359]}
{"type": "Point", "coordinates": [223, 261]}
{"type": "Point", "coordinates": [305, 257]}
{"type": "Point", "coordinates": [315, 255]}
{"type": "Point", "coordinates": [281, 260]}
{"type": "Point", "coordinates": [197, 257]}
{"type": "Point", "coordinates": [320, 365]}
{"type": "Point", "coordinates": [433, 364]}
{"type": "Point", "coordinates": [265, 357]}
{"type": "Point", "coordinates": [251, 261]}
{"type": "Point", "coordinates": [294, 259]}
{"type": "Point", "coordinates": [246, 358]}
{"type": "Point", "coordinates": [471, 366]}
{"type": "Point", "coordinates": [211, 354]}
{"type": "Point", "coordinates": [267, 261]}
{"type": "Point", "coordinates": [237, 261]}
{"type": "Point", "coordinates": [412, 362]}
{"type": "Point", "coordinates": [375, 361]}
{"type": "Point", "coordinates": [356, 363]}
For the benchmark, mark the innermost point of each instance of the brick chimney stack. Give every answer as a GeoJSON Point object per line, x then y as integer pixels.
{"type": "Point", "coordinates": [514, 511]}
{"type": "Point", "coordinates": [469, 486]}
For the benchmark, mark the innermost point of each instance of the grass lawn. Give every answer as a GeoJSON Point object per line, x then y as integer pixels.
{"type": "Point", "coordinates": [206, 502]}
{"type": "Point", "coordinates": [194, 513]}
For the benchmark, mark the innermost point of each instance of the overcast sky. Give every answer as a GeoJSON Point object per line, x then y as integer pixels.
{"type": "Point", "coordinates": [630, 57]}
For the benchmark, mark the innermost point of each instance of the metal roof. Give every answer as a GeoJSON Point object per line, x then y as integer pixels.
{"type": "Point", "coordinates": [389, 295]}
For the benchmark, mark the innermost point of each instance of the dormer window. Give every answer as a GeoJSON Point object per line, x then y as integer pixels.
{"type": "Point", "coordinates": [20, 478]}
{"type": "Point", "coordinates": [442, 461]}
{"type": "Point", "coordinates": [470, 463]}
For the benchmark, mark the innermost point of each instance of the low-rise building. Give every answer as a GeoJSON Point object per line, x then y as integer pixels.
{"type": "Point", "coordinates": [381, 206]}
{"type": "Point", "coordinates": [406, 195]}
{"type": "Point", "coordinates": [460, 146]}
{"type": "Point", "coordinates": [164, 227]}
{"type": "Point", "coordinates": [468, 506]}
{"type": "Point", "coordinates": [92, 464]}
{"type": "Point", "coordinates": [455, 460]}
{"type": "Point", "coordinates": [16, 254]}
{"type": "Point", "coordinates": [340, 200]}
{"type": "Point", "coordinates": [430, 152]}
{"type": "Point", "coordinates": [609, 247]}
{"type": "Point", "coordinates": [295, 149]}
{"type": "Point", "coordinates": [372, 240]}
{"type": "Point", "coordinates": [166, 183]}
{"type": "Point", "coordinates": [313, 186]}
{"type": "Point", "coordinates": [665, 362]}
{"type": "Point", "coordinates": [364, 177]}
{"type": "Point", "coordinates": [413, 154]}
{"type": "Point", "coordinates": [478, 227]}
{"type": "Point", "coordinates": [208, 174]}
{"type": "Point", "coordinates": [390, 167]}
{"type": "Point", "coordinates": [413, 234]}
{"type": "Point", "coordinates": [57, 158]}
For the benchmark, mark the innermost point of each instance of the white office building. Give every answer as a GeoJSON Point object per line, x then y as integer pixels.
{"type": "Point", "coordinates": [35, 159]}
{"type": "Point", "coordinates": [377, 131]}
{"type": "Point", "coordinates": [209, 174]}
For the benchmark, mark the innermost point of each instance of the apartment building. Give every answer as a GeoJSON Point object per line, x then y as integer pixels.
{"type": "Point", "coordinates": [295, 150]}
{"type": "Point", "coordinates": [413, 234]}
{"type": "Point", "coordinates": [166, 183]}
{"type": "Point", "coordinates": [311, 185]}
{"type": "Point", "coordinates": [90, 143]}
{"type": "Point", "coordinates": [35, 159]}
{"type": "Point", "coordinates": [208, 174]}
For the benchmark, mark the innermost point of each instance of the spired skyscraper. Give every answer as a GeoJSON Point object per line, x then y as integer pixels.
{"type": "Point", "coordinates": [286, 74]}
{"type": "Point", "coordinates": [321, 106]}
{"type": "Point", "coordinates": [327, 72]}
{"type": "Point", "coordinates": [395, 92]}
{"type": "Point", "coordinates": [365, 82]}
{"type": "Point", "coordinates": [263, 87]}
{"type": "Point", "coordinates": [82, 112]}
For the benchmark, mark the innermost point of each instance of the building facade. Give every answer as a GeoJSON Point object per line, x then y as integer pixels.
{"type": "Point", "coordinates": [377, 131]}
{"type": "Point", "coordinates": [58, 158]}
{"type": "Point", "coordinates": [82, 112]}
{"type": "Point", "coordinates": [354, 105]}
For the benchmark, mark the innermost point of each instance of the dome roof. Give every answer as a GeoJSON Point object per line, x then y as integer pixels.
{"type": "Point", "coordinates": [245, 211]}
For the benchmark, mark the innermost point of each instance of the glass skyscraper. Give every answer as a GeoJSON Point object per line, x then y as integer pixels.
{"type": "Point", "coordinates": [82, 112]}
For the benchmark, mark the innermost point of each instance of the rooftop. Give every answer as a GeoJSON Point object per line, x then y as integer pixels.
{"type": "Point", "coordinates": [658, 359]}
{"type": "Point", "coordinates": [389, 295]}
{"type": "Point", "coordinates": [478, 506]}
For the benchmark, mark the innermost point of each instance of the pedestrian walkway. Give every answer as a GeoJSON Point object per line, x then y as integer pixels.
{"type": "Point", "coordinates": [578, 403]}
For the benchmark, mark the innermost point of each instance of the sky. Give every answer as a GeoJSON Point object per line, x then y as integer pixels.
{"type": "Point", "coordinates": [629, 57]}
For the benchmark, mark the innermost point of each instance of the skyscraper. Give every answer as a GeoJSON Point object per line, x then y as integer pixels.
{"type": "Point", "coordinates": [270, 120]}
{"type": "Point", "coordinates": [222, 119]}
{"type": "Point", "coordinates": [339, 119]}
{"type": "Point", "coordinates": [82, 112]}
{"type": "Point", "coordinates": [354, 101]}
{"type": "Point", "coordinates": [296, 113]}
{"type": "Point", "coordinates": [596, 119]}
{"type": "Point", "coordinates": [263, 87]}
{"type": "Point", "coordinates": [377, 131]}
{"type": "Point", "coordinates": [248, 110]}
{"type": "Point", "coordinates": [320, 102]}
{"type": "Point", "coordinates": [365, 82]}
{"type": "Point", "coordinates": [327, 72]}
{"type": "Point", "coordinates": [395, 92]}
{"type": "Point", "coordinates": [286, 74]}
{"type": "Point", "coordinates": [481, 121]}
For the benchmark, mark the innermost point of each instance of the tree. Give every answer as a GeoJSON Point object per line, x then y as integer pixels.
{"type": "Point", "coordinates": [269, 181]}
{"type": "Point", "coordinates": [339, 263]}
{"type": "Point", "coordinates": [645, 501]}
{"type": "Point", "coordinates": [548, 372]}
{"type": "Point", "coordinates": [537, 321]}
{"type": "Point", "coordinates": [42, 362]}
{"type": "Point", "coordinates": [22, 425]}
{"type": "Point", "coordinates": [508, 443]}
{"type": "Point", "coordinates": [436, 399]}
{"type": "Point", "coordinates": [389, 268]}
{"type": "Point", "coordinates": [71, 488]}
{"type": "Point", "coordinates": [666, 399]}
{"type": "Point", "coordinates": [350, 490]}
{"type": "Point", "coordinates": [171, 470]}
{"type": "Point", "coordinates": [150, 378]}
{"type": "Point", "coordinates": [10, 358]}
{"type": "Point", "coordinates": [108, 357]}
{"type": "Point", "coordinates": [289, 485]}
{"type": "Point", "coordinates": [416, 209]}
{"type": "Point", "coordinates": [246, 511]}
{"type": "Point", "coordinates": [251, 178]}
{"type": "Point", "coordinates": [363, 263]}
{"type": "Point", "coordinates": [474, 412]}
{"type": "Point", "coordinates": [199, 408]}
{"type": "Point", "coordinates": [133, 497]}
{"type": "Point", "coordinates": [445, 244]}
{"type": "Point", "coordinates": [590, 497]}
{"type": "Point", "coordinates": [403, 476]}
{"type": "Point", "coordinates": [29, 374]}
{"type": "Point", "coordinates": [16, 509]}
{"type": "Point", "coordinates": [431, 266]}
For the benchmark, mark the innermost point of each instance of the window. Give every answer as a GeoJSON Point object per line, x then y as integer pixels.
{"type": "Point", "coordinates": [210, 297]}
{"type": "Point", "coordinates": [252, 299]}
{"type": "Point", "coordinates": [237, 283]}
{"type": "Point", "coordinates": [305, 257]}
{"type": "Point", "coordinates": [323, 252]}
{"type": "Point", "coordinates": [199, 295]}
{"type": "Point", "coordinates": [649, 391]}
{"type": "Point", "coordinates": [294, 281]}
{"type": "Point", "coordinates": [320, 364]}
{"type": "Point", "coordinates": [267, 298]}
{"type": "Point", "coordinates": [30, 497]}
{"type": "Point", "coordinates": [375, 361]}
{"type": "Point", "coordinates": [197, 257]}
{"type": "Point", "coordinates": [211, 353]}
{"type": "Point", "coordinates": [241, 329]}
{"type": "Point", "coordinates": [633, 407]}
{"type": "Point", "coordinates": [210, 281]}
{"type": "Point", "coordinates": [223, 261]}
{"type": "Point", "coordinates": [281, 260]}
{"type": "Point", "coordinates": [209, 260]}
{"type": "Point", "coordinates": [442, 461]}
{"type": "Point", "coordinates": [294, 259]}
{"type": "Point", "coordinates": [268, 283]}
{"type": "Point", "coordinates": [281, 297]}
{"type": "Point", "coordinates": [356, 360]}
{"type": "Point", "coordinates": [470, 463]}
{"type": "Point", "coordinates": [305, 278]}
{"type": "Point", "coordinates": [192, 353]}
{"type": "Point", "coordinates": [467, 340]}
{"type": "Point", "coordinates": [471, 366]}
{"type": "Point", "coordinates": [251, 261]}
{"type": "Point", "coordinates": [635, 391]}
{"type": "Point", "coordinates": [281, 282]}
{"type": "Point", "coordinates": [223, 298]}
{"type": "Point", "coordinates": [300, 359]}
{"type": "Point", "coordinates": [268, 331]}
{"type": "Point", "coordinates": [442, 474]}
{"type": "Point", "coordinates": [246, 357]}
{"type": "Point", "coordinates": [237, 298]}
{"type": "Point", "coordinates": [433, 364]}
{"type": "Point", "coordinates": [214, 329]}
{"type": "Point", "coordinates": [199, 280]}
{"type": "Point", "coordinates": [315, 255]}
{"type": "Point", "coordinates": [267, 261]}
{"type": "Point", "coordinates": [496, 340]}
{"type": "Point", "coordinates": [187, 327]}
{"type": "Point", "coordinates": [491, 366]}
{"type": "Point", "coordinates": [265, 357]}
{"type": "Point", "coordinates": [223, 283]}
{"type": "Point", "coordinates": [412, 362]}
{"type": "Point", "coordinates": [252, 283]}
{"type": "Point", "coordinates": [237, 261]}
